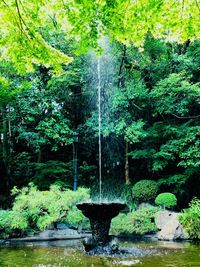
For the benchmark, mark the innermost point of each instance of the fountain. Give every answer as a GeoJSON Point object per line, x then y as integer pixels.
{"type": "Point", "coordinates": [100, 213]}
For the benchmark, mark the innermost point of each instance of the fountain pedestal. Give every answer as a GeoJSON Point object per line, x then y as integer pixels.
{"type": "Point", "coordinates": [100, 230]}
{"type": "Point", "coordinates": [100, 216]}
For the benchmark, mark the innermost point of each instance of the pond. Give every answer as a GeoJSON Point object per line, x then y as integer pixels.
{"type": "Point", "coordinates": [69, 253]}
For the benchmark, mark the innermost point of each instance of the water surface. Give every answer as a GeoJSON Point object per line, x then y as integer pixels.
{"type": "Point", "coordinates": [70, 254]}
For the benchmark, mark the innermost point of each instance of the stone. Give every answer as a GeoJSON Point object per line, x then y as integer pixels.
{"type": "Point", "coordinates": [127, 262]}
{"type": "Point", "coordinates": [169, 226]}
{"type": "Point", "coordinates": [57, 233]}
{"type": "Point", "coordinates": [93, 248]}
{"type": "Point", "coordinates": [144, 205]}
{"type": "Point", "coordinates": [62, 226]}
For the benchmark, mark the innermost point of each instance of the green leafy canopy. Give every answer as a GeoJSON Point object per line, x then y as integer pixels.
{"type": "Point", "coordinates": [23, 41]}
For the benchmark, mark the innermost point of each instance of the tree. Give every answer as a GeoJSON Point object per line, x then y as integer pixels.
{"type": "Point", "coordinates": [126, 21]}
{"type": "Point", "coordinates": [9, 88]}
{"type": "Point", "coordinates": [169, 148]}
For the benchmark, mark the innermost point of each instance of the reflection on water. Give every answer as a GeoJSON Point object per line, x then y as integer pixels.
{"type": "Point", "coordinates": [70, 254]}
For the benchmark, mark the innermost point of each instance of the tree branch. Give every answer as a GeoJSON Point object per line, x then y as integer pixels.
{"type": "Point", "coordinates": [120, 68]}
{"type": "Point", "coordinates": [187, 117]}
{"type": "Point", "coordinates": [22, 22]}
{"type": "Point", "coordinates": [197, 6]}
{"type": "Point", "coordinates": [136, 106]}
{"type": "Point", "coordinates": [11, 12]}
{"type": "Point", "coordinates": [20, 17]}
{"type": "Point", "coordinates": [182, 9]}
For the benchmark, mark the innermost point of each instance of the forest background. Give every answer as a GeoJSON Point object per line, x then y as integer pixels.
{"type": "Point", "coordinates": [150, 125]}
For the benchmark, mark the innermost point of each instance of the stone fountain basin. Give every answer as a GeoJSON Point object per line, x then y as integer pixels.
{"type": "Point", "coordinates": [101, 210]}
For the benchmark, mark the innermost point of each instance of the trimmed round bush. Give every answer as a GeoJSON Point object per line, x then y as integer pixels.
{"type": "Point", "coordinates": [145, 190]}
{"type": "Point", "coordinates": [167, 200]}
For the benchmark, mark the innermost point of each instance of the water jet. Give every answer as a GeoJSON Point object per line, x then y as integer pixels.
{"type": "Point", "coordinates": [100, 213]}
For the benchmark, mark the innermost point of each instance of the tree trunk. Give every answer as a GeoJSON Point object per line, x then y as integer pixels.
{"type": "Point", "coordinates": [120, 76]}
{"type": "Point", "coordinates": [10, 143]}
{"type": "Point", "coordinates": [4, 136]}
{"type": "Point", "coordinates": [126, 164]}
{"type": "Point", "coordinates": [39, 158]}
{"type": "Point", "coordinates": [5, 143]}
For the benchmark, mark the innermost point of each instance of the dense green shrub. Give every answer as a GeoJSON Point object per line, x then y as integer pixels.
{"type": "Point", "coordinates": [36, 210]}
{"type": "Point", "coordinates": [76, 218]}
{"type": "Point", "coordinates": [145, 190]}
{"type": "Point", "coordinates": [126, 196]}
{"type": "Point", "coordinates": [137, 222]}
{"type": "Point", "coordinates": [168, 200]}
{"type": "Point", "coordinates": [13, 223]}
{"type": "Point", "coordinates": [190, 219]}
{"type": "Point", "coordinates": [4, 223]}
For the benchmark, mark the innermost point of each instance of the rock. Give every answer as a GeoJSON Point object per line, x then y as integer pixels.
{"type": "Point", "coordinates": [93, 248]}
{"type": "Point", "coordinates": [127, 262]}
{"type": "Point", "coordinates": [57, 233]}
{"type": "Point", "coordinates": [62, 226]}
{"type": "Point", "coordinates": [169, 226]}
{"type": "Point", "coordinates": [145, 205]}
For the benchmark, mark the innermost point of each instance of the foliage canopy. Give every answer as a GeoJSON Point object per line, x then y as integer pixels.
{"type": "Point", "coordinates": [25, 23]}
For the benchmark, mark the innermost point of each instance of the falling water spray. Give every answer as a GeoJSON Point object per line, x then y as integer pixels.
{"type": "Point", "coordinates": [101, 213]}
{"type": "Point", "coordinates": [99, 125]}
{"type": "Point", "coordinates": [101, 78]}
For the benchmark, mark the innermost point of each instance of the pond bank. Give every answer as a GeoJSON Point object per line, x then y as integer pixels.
{"type": "Point", "coordinates": [48, 235]}
{"type": "Point", "coordinates": [169, 229]}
